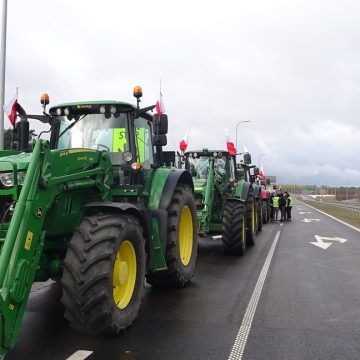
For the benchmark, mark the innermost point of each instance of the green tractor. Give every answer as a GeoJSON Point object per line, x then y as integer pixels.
{"type": "Point", "coordinates": [96, 208]}
{"type": "Point", "coordinates": [225, 202]}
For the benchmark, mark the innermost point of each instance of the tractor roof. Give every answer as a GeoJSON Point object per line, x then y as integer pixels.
{"type": "Point", "coordinates": [207, 152]}
{"type": "Point", "coordinates": [92, 107]}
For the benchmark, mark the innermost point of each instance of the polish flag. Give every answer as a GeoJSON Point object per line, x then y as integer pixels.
{"type": "Point", "coordinates": [160, 107]}
{"type": "Point", "coordinates": [261, 173]}
{"type": "Point", "coordinates": [230, 145]}
{"type": "Point", "coordinates": [184, 143]}
{"type": "Point", "coordinates": [10, 109]}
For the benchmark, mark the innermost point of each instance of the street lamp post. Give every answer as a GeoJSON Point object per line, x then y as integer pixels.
{"type": "Point", "coordinates": [238, 123]}
{"type": "Point", "coordinates": [2, 70]}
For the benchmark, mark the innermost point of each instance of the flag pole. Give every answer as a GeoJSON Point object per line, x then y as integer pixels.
{"type": "Point", "coordinates": [2, 70]}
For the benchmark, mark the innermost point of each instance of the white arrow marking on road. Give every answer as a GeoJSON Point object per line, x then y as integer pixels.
{"type": "Point", "coordinates": [305, 212]}
{"type": "Point", "coordinates": [323, 245]}
{"type": "Point", "coordinates": [80, 355]}
{"type": "Point", "coordinates": [310, 220]}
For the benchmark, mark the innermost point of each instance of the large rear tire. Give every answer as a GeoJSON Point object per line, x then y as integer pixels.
{"type": "Point", "coordinates": [182, 241]}
{"type": "Point", "coordinates": [104, 272]}
{"type": "Point", "coordinates": [259, 215]}
{"type": "Point", "coordinates": [234, 228]}
{"type": "Point", "coordinates": [265, 212]}
{"type": "Point", "coordinates": [251, 225]}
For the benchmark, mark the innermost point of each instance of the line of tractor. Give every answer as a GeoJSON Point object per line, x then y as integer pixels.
{"type": "Point", "coordinates": [100, 208]}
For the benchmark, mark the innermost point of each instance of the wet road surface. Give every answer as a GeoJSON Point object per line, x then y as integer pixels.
{"type": "Point", "coordinates": [308, 306]}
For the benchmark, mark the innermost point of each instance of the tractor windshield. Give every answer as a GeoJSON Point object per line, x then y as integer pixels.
{"type": "Point", "coordinates": [95, 131]}
{"type": "Point", "coordinates": [199, 166]}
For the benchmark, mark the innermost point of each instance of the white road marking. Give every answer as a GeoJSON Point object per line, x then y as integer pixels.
{"type": "Point", "coordinates": [323, 245]}
{"type": "Point", "coordinates": [305, 212]}
{"type": "Point", "coordinates": [80, 355]}
{"type": "Point", "coordinates": [310, 220]}
{"type": "Point", "coordinates": [217, 236]}
{"type": "Point", "coordinates": [334, 218]}
{"type": "Point", "coordinates": [238, 348]}
{"type": "Point", "coordinates": [281, 224]}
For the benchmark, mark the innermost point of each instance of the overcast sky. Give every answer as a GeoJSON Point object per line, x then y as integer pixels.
{"type": "Point", "coordinates": [291, 68]}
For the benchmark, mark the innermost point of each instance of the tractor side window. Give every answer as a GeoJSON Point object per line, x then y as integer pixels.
{"type": "Point", "coordinates": [143, 142]}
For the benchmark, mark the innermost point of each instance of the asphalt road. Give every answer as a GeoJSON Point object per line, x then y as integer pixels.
{"type": "Point", "coordinates": [303, 304]}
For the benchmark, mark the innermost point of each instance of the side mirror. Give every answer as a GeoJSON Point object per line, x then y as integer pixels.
{"type": "Point", "coordinates": [160, 124]}
{"type": "Point", "coordinates": [160, 140]}
{"type": "Point", "coordinates": [247, 158]}
{"type": "Point", "coordinates": [256, 171]}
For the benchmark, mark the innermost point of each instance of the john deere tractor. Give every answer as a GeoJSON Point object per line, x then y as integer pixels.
{"type": "Point", "coordinates": [250, 173]}
{"type": "Point", "coordinates": [96, 208]}
{"type": "Point", "coordinates": [225, 202]}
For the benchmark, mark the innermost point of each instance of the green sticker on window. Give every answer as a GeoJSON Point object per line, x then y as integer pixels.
{"type": "Point", "coordinates": [119, 140]}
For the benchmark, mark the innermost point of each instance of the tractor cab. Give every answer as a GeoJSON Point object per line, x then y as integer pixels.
{"type": "Point", "coordinates": [132, 136]}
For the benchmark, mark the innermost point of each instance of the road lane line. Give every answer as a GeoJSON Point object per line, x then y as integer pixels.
{"type": "Point", "coordinates": [333, 217]}
{"type": "Point", "coordinates": [80, 355]}
{"type": "Point", "coordinates": [238, 348]}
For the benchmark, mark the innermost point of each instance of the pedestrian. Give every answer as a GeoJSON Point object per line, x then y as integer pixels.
{"type": "Point", "coordinates": [275, 204]}
{"type": "Point", "coordinates": [271, 217]}
{"type": "Point", "coordinates": [282, 204]}
{"type": "Point", "coordinates": [288, 206]}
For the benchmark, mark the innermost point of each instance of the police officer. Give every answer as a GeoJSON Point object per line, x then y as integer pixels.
{"type": "Point", "coordinates": [288, 206]}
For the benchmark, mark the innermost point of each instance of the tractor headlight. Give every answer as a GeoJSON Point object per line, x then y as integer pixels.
{"type": "Point", "coordinates": [7, 180]}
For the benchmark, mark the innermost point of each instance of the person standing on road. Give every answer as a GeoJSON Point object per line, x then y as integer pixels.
{"type": "Point", "coordinates": [275, 204]}
{"type": "Point", "coordinates": [288, 206]}
{"type": "Point", "coordinates": [271, 207]}
{"type": "Point", "coordinates": [282, 204]}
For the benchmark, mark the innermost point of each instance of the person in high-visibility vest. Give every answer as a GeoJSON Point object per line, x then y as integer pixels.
{"type": "Point", "coordinates": [275, 202]}
{"type": "Point", "coordinates": [288, 206]}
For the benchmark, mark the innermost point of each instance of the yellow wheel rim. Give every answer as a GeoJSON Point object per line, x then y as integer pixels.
{"type": "Point", "coordinates": [185, 235]}
{"type": "Point", "coordinates": [253, 213]}
{"type": "Point", "coordinates": [124, 276]}
{"type": "Point", "coordinates": [243, 230]}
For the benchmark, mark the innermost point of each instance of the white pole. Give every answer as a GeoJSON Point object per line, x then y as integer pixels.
{"type": "Point", "coordinates": [2, 70]}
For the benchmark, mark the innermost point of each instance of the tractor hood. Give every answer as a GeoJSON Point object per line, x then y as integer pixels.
{"type": "Point", "coordinates": [199, 185]}
{"type": "Point", "coordinates": [21, 160]}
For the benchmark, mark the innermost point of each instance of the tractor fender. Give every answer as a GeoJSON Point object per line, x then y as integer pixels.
{"type": "Point", "coordinates": [257, 193]}
{"type": "Point", "coordinates": [237, 199]}
{"type": "Point", "coordinates": [143, 216]}
{"type": "Point", "coordinates": [245, 191]}
{"type": "Point", "coordinates": [174, 178]}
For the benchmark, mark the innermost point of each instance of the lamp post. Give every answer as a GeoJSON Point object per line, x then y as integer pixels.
{"type": "Point", "coordinates": [237, 124]}
{"type": "Point", "coordinates": [260, 156]}
{"type": "Point", "coordinates": [2, 70]}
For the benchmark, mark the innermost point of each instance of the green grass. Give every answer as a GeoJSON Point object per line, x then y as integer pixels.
{"type": "Point", "coordinates": [348, 215]}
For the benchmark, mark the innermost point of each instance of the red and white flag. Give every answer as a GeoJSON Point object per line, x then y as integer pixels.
{"type": "Point", "coordinates": [184, 143]}
{"type": "Point", "coordinates": [230, 145]}
{"type": "Point", "coordinates": [160, 108]}
{"type": "Point", "coordinates": [10, 109]}
{"type": "Point", "coordinates": [261, 172]}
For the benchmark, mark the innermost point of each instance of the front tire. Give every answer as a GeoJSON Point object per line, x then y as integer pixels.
{"type": "Point", "coordinates": [104, 271]}
{"type": "Point", "coordinates": [182, 241]}
{"type": "Point", "coordinates": [234, 228]}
